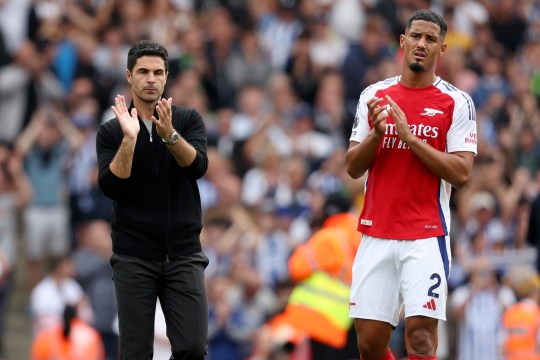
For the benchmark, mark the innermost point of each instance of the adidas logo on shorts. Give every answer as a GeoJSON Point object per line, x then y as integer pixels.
{"type": "Point", "coordinates": [430, 305]}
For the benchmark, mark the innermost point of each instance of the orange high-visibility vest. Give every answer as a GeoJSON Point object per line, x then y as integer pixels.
{"type": "Point", "coordinates": [318, 306]}
{"type": "Point", "coordinates": [331, 249]}
{"type": "Point", "coordinates": [521, 323]}
{"type": "Point", "coordinates": [84, 342]}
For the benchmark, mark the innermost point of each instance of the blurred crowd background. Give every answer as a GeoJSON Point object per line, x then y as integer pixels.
{"type": "Point", "coordinates": [277, 83]}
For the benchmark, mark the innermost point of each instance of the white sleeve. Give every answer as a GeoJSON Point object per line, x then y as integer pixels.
{"type": "Point", "coordinates": [462, 133]}
{"type": "Point", "coordinates": [361, 124]}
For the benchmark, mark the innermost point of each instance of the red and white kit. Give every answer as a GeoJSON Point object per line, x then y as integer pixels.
{"type": "Point", "coordinates": [404, 200]}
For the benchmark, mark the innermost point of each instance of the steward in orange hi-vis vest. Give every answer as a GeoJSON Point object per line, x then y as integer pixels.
{"type": "Point", "coordinates": [319, 304]}
{"type": "Point", "coordinates": [521, 322]}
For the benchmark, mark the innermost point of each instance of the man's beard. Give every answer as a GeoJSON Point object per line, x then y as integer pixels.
{"type": "Point", "coordinates": [417, 67]}
{"type": "Point", "coordinates": [149, 98]}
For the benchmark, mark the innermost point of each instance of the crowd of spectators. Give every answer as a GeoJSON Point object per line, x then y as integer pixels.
{"type": "Point", "coordinates": [277, 83]}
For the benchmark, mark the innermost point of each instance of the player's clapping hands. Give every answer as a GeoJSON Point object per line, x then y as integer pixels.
{"type": "Point", "coordinates": [378, 115]}
{"type": "Point", "coordinates": [402, 126]}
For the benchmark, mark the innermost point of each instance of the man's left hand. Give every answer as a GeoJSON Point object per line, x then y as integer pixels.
{"type": "Point", "coordinates": [164, 126]}
{"type": "Point", "coordinates": [402, 126]}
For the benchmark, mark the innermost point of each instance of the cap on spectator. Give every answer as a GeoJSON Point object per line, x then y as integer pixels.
{"type": "Point", "coordinates": [482, 200]}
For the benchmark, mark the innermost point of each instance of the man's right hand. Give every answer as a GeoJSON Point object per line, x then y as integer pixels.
{"type": "Point", "coordinates": [128, 122]}
{"type": "Point", "coordinates": [377, 115]}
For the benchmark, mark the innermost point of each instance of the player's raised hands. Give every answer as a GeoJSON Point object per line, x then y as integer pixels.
{"type": "Point", "coordinates": [128, 122]}
{"type": "Point", "coordinates": [402, 126]}
{"type": "Point", "coordinates": [377, 115]}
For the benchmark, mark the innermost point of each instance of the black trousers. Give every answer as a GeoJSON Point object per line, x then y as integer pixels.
{"type": "Point", "coordinates": [180, 286]}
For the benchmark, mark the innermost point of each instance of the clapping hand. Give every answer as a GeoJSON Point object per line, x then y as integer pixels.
{"type": "Point", "coordinates": [164, 126]}
{"type": "Point", "coordinates": [128, 122]}
{"type": "Point", "coordinates": [378, 115]}
{"type": "Point", "coordinates": [402, 126]}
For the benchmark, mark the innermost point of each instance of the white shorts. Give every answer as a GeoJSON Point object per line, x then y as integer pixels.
{"type": "Point", "coordinates": [46, 230]}
{"type": "Point", "coordinates": [389, 274]}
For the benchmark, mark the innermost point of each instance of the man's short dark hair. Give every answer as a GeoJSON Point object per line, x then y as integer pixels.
{"type": "Point", "coordinates": [146, 48]}
{"type": "Point", "coordinates": [428, 15]}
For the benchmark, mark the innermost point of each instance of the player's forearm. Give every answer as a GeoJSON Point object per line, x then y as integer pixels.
{"type": "Point", "coordinates": [360, 155]}
{"type": "Point", "coordinates": [454, 168]}
{"type": "Point", "coordinates": [123, 160]}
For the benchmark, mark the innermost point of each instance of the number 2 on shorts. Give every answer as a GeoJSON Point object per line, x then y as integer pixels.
{"type": "Point", "coordinates": [437, 279]}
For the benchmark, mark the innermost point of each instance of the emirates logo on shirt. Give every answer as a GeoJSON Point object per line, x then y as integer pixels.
{"type": "Point", "coordinates": [420, 130]}
{"type": "Point", "coordinates": [423, 131]}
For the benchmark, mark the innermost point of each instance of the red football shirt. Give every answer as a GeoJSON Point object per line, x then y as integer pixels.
{"type": "Point", "coordinates": [403, 199]}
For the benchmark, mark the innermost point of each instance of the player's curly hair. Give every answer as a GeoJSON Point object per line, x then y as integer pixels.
{"type": "Point", "coordinates": [146, 48]}
{"type": "Point", "coordinates": [428, 15]}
